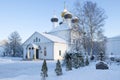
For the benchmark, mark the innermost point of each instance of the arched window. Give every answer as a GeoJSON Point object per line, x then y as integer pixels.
{"type": "Point", "coordinates": [36, 39]}
{"type": "Point", "coordinates": [59, 52]}
{"type": "Point", "coordinates": [29, 48]}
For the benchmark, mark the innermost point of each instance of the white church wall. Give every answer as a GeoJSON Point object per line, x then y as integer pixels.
{"type": "Point", "coordinates": [57, 48]}
{"type": "Point", "coordinates": [113, 46]}
{"type": "Point", "coordinates": [42, 42]}
{"type": "Point", "coordinates": [24, 52]}
{"type": "Point", "coordinates": [49, 51]}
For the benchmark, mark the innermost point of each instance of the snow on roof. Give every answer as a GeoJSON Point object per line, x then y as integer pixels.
{"type": "Point", "coordinates": [48, 36]}
{"type": "Point", "coordinates": [34, 45]}
{"type": "Point", "coordinates": [53, 38]}
{"type": "Point", "coordinates": [116, 38]}
{"type": "Point", "coordinates": [63, 26]}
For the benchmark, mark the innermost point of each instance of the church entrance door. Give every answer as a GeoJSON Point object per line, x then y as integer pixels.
{"type": "Point", "coordinates": [37, 54]}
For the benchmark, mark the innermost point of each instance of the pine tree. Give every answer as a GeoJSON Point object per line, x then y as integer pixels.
{"type": "Point", "coordinates": [58, 69]}
{"type": "Point", "coordinates": [44, 70]}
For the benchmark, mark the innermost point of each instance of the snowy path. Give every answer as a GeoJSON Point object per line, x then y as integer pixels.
{"type": "Point", "coordinates": [30, 70]}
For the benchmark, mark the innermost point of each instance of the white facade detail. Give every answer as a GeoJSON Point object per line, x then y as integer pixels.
{"type": "Point", "coordinates": [43, 46]}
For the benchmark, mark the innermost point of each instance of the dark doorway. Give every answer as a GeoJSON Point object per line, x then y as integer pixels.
{"type": "Point", "coordinates": [37, 54]}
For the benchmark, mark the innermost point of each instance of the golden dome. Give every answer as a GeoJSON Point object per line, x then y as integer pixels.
{"type": "Point", "coordinates": [75, 20]}
{"type": "Point", "coordinates": [67, 15]}
{"type": "Point", "coordinates": [64, 12]}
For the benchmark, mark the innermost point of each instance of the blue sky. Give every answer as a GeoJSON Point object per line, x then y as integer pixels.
{"type": "Point", "coordinates": [28, 16]}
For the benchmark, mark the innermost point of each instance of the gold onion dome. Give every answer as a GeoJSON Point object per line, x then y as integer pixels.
{"type": "Point", "coordinates": [54, 19]}
{"type": "Point", "coordinates": [67, 15]}
{"type": "Point", "coordinates": [75, 20]}
{"type": "Point", "coordinates": [63, 13]}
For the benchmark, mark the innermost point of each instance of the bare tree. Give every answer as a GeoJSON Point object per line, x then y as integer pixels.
{"type": "Point", "coordinates": [6, 47]}
{"type": "Point", "coordinates": [101, 40]}
{"type": "Point", "coordinates": [92, 19]}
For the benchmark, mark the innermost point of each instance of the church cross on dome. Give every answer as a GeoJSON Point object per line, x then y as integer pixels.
{"type": "Point", "coordinates": [64, 5]}
{"type": "Point", "coordinates": [65, 10]}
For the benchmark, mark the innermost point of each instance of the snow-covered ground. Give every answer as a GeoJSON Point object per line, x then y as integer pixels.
{"type": "Point", "coordinates": [16, 69]}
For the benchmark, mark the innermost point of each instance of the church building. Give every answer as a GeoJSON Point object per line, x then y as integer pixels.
{"type": "Point", "coordinates": [53, 45]}
{"type": "Point", "coordinates": [113, 47]}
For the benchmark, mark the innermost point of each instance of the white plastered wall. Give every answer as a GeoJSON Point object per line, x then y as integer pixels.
{"type": "Point", "coordinates": [57, 47]}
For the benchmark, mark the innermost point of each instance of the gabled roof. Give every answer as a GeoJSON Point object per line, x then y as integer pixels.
{"type": "Point", "coordinates": [114, 38]}
{"type": "Point", "coordinates": [49, 37]}
{"type": "Point", "coordinates": [53, 38]}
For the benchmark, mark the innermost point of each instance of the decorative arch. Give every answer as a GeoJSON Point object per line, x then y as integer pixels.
{"type": "Point", "coordinates": [31, 51]}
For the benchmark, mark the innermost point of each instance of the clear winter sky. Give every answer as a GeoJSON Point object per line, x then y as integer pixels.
{"type": "Point", "coordinates": [28, 16]}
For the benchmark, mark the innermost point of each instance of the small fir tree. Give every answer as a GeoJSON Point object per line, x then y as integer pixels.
{"type": "Point", "coordinates": [44, 70]}
{"type": "Point", "coordinates": [58, 69]}
{"type": "Point", "coordinates": [68, 64]}
{"type": "Point", "coordinates": [87, 61]}
{"type": "Point", "coordinates": [81, 61]}
{"type": "Point", "coordinates": [75, 61]}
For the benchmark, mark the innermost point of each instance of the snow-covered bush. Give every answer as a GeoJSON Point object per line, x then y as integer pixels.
{"type": "Point", "coordinates": [86, 61]}
{"type": "Point", "coordinates": [74, 60]}
{"type": "Point", "coordinates": [58, 68]}
{"type": "Point", "coordinates": [82, 61]}
{"type": "Point", "coordinates": [68, 62]}
{"type": "Point", "coordinates": [44, 69]}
